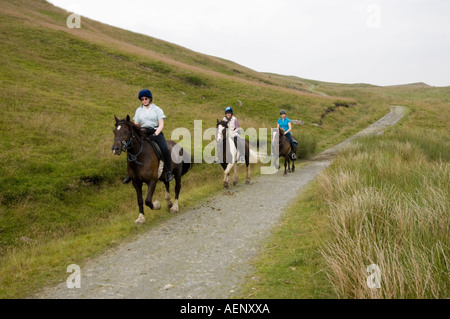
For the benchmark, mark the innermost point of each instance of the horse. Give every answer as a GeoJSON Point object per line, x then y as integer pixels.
{"type": "Point", "coordinates": [144, 166]}
{"type": "Point", "coordinates": [285, 151]}
{"type": "Point", "coordinates": [230, 148]}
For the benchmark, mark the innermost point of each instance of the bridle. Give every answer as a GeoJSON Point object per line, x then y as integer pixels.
{"type": "Point", "coordinates": [224, 135]}
{"type": "Point", "coordinates": [126, 146]}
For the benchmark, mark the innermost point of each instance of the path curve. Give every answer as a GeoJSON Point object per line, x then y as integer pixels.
{"type": "Point", "coordinates": [313, 89]}
{"type": "Point", "coordinates": [203, 252]}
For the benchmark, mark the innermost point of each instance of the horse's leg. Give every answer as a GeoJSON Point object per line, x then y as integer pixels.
{"type": "Point", "coordinates": [226, 175]}
{"type": "Point", "coordinates": [174, 207]}
{"type": "Point", "coordinates": [167, 196]}
{"type": "Point", "coordinates": [289, 165]}
{"type": "Point", "coordinates": [285, 165]}
{"type": "Point", "coordinates": [236, 177]}
{"type": "Point", "coordinates": [138, 188]}
{"type": "Point", "coordinates": [148, 201]}
{"type": "Point", "coordinates": [293, 166]}
{"type": "Point", "coordinates": [247, 161]}
{"type": "Point", "coordinates": [277, 162]}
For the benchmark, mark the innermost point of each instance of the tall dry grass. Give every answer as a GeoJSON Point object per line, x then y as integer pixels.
{"type": "Point", "coordinates": [389, 206]}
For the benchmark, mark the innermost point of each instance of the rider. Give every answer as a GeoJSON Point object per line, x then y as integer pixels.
{"type": "Point", "coordinates": [286, 125]}
{"type": "Point", "coordinates": [234, 129]}
{"type": "Point", "coordinates": [233, 123]}
{"type": "Point", "coordinates": [151, 119]}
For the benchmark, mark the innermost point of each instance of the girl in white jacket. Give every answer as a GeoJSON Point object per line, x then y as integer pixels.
{"type": "Point", "coordinates": [235, 130]}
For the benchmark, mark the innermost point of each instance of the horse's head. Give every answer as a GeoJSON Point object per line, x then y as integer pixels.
{"type": "Point", "coordinates": [221, 130]}
{"type": "Point", "coordinates": [277, 135]}
{"type": "Point", "coordinates": [123, 135]}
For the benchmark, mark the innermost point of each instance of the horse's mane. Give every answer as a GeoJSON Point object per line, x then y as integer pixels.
{"type": "Point", "coordinates": [281, 132]}
{"type": "Point", "coordinates": [223, 123]}
{"type": "Point", "coordinates": [133, 126]}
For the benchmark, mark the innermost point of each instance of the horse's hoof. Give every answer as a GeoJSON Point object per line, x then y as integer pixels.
{"type": "Point", "coordinates": [226, 185]}
{"type": "Point", "coordinates": [235, 183]}
{"type": "Point", "coordinates": [174, 208]}
{"type": "Point", "coordinates": [247, 182]}
{"type": "Point", "coordinates": [285, 174]}
{"type": "Point", "coordinates": [140, 220]}
{"type": "Point", "coordinates": [170, 204]}
{"type": "Point", "coordinates": [156, 205]}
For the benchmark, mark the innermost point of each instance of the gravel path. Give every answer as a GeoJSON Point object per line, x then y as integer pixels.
{"type": "Point", "coordinates": [202, 252]}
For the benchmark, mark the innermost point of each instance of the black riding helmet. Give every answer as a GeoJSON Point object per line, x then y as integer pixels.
{"type": "Point", "coordinates": [145, 93]}
{"type": "Point", "coordinates": [282, 112]}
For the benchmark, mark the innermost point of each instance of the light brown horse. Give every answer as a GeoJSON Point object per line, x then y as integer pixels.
{"type": "Point", "coordinates": [144, 165]}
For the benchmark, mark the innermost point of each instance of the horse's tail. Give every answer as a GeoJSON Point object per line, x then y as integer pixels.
{"type": "Point", "coordinates": [187, 162]}
{"type": "Point", "coordinates": [186, 168]}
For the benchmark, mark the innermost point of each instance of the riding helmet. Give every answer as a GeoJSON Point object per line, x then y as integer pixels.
{"type": "Point", "coordinates": [145, 93]}
{"type": "Point", "coordinates": [229, 110]}
{"type": "Point", "coordinates": [282, 112]}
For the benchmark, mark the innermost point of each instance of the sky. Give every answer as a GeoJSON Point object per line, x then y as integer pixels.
{"type": "Point", "coordinates": [381, 42]}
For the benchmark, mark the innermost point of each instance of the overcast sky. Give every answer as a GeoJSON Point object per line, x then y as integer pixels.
{"type": "Point", "coordinates": [383, 42]}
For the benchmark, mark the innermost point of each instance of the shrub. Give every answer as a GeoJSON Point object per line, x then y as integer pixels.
{"type": "Point", "coordinates": [307, 144]}
{"type": "Point", "coordinates": [195, 80]}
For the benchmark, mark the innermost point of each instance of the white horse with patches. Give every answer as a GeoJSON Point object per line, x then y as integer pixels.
{"type": "Point", "coordinates": [233, 150]}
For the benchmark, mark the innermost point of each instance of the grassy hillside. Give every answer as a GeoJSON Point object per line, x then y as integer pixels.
{"type": "Point", "coordinates": [61, 197]}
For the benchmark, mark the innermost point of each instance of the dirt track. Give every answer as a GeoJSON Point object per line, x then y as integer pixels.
{"type": "Point", "coordinates": [202, 252]}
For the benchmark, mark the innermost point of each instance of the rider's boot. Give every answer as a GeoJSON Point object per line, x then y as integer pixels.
{"type": "Point", "coordinates": [127, 180]}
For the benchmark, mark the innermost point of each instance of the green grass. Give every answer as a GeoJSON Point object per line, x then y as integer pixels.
{"type": "Point", "coordinates": [291, 266]}
{"type": "Point", "coordinates": [389, 206]}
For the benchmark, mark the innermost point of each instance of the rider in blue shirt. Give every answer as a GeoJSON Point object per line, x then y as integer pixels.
{"type": "Point", "coordinates": [286, 125]}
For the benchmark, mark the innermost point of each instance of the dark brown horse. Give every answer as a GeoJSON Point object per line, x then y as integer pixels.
{"type": "Point", "coordinates": [145, 167]}
{"type": "Point", "coordinates": [285, 151]}
{"type": "Point", "coordinates": [230, 154]}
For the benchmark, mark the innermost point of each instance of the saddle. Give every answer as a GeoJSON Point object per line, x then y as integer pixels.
{"type": "Point", "coordinates": [148, 137]}
{"type": "Point", "coordinates": [157, 149]}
